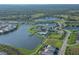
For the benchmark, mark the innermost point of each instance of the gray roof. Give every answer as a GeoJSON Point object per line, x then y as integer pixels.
{"type": "Point", "coordinates": [3, 53]}
{"type": "Point", "coordinates": [49, 50]}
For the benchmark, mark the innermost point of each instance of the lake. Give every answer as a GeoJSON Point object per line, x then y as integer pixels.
{"type": "Point", "coordinates": [48, 18]}
{"type": "Point", "coordinates": [20, 38]}
{"type": "Point", "coordinates": [71, 28]}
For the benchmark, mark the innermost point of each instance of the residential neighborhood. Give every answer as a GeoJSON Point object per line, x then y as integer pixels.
{"type": "Point", "coordinates": [39, 29]}
{"type": "Point", "coordinates": [7, 27]}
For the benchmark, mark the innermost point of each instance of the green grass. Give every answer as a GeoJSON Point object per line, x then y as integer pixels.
{"type": "Point", "coordinates": [60, 21]}
{"type": "Point", "coordinates": [72, 25]}
{"type": "Point", "coordinates": [21, 51]}
{"type": "Point", "coordinates": [37, 15]}
{"type": "Point", "coordinates": [9, 50]}
{"type": "Point", "coordinates": [35, 51]}
{"type": "Point", "coordinates": [54, 40]}
{"type": "Point", "coordinates": [72, 38]}
{"type": "Point", "coordinates": [24, 51]}
{"type": "Point", "coordinates": [32, 30]}
{"type": "Point", "coordinates": [54, 35]}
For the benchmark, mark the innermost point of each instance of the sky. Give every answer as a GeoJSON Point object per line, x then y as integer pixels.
{"type": "Point", "coordinates": [39, 1]}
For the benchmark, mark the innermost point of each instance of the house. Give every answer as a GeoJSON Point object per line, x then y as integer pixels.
{"type": "Point", "coordinates": [46, 28]}
{"type": "Point", "coordinates": [1, 31]}
{"type": "Point", "coordinates": [7, 27]}
{"type": "Point", "coordinates": [49, 50]}
{"type": "Point", "coordinates": [3, 53]}
{"type": "Point", "coordinates": [42, 33]}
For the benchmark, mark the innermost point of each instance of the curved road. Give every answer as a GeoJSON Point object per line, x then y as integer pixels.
{"type": "Point", "coordinates": [63, 48]}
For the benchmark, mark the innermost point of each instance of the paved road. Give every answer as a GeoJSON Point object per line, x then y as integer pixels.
{"type": "Point", "coordinates": [63, 48]}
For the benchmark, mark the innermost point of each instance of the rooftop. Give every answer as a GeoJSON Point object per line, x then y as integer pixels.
{"type": "Point", "coordinates": [49, 50]}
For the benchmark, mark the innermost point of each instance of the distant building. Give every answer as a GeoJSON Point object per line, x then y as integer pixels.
{"type": "Point", "coordinates": [6, 27]}
{"type": "Point", "coordinates": [46, 28]}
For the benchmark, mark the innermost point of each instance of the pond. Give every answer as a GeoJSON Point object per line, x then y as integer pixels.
{"type": "Point", "coordinates": [49, 18]}
{"type": "Point", "coordinates": [71, 28]}
{"type": "Point", "coordinates": [20, 38]}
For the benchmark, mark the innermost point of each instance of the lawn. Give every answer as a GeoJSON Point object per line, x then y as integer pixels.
{"type": "Point", "coordinates": [72, 38]}
{"type": "Point", "coordinates": [32, 30]}
{"type": "Point", "coordinates": [54, 35]}
{"type": "Point", "coordinates": [54, 40]}
{"type": "Point", "coordinates": [9, 50]}
{"type": "Point", "coordinates": [30, 52]}
{"type": "Point", "coordinates": [37, 15]}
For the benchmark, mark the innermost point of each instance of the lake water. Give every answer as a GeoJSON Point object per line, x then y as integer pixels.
{"type": "Point", "coordinates": [49, 18]}
{"type": "Point", "coordinates": [72, 28]}
{"type": "Point", "coordinates": [20, 38]}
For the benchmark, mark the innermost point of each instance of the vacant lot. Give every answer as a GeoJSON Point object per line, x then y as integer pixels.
{"type": "Point", "coordinates": [54, 40]}
{"type": "Point", "coordinates": [72, 38]}
{"type": "Point", "coordinates": [72, 50]}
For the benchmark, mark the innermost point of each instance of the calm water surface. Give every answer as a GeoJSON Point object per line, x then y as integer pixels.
{"type": "Point", "coordinates": [20, 38]}
{"type": "Point", "coordinates": [72, 28]}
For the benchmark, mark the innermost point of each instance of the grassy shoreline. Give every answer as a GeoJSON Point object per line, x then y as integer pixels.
{"type": "Point", "coordinates": [9, 50]}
